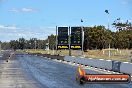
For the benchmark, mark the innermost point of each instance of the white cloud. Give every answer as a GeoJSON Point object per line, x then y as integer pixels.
{"type": "Point", "coordinates": [122, 21]}
{"type": "Point", "coordinates": [8, 27]}
{"type": "Point", "coordinates": [129, 20]}
{"type": "Point", "coordinates": [25, 32]}
{"type": "Point", "coordinates": [23, 10]}
{"type": "Point", "coordinates": [13, 10]}
{"type": "Point", "coordinates": [28, 10]}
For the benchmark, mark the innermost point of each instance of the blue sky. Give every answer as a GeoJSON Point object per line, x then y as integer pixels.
{"type": "Point", "coordinates": [38, 18]}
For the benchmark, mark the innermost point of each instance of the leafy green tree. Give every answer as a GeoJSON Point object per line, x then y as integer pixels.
{"type": "Point", "coordinates": [22, 43]}
{"type": "Point", "coordinates": [119, 25]}
{"type": "Point", "coordinates": [97, 37]}
{"type": "Point", "coordinates": [5, 45]}
{"type": "Point", "coordinates": [52, 41]}
{"type": "Point", "coordinates": [14, 44]}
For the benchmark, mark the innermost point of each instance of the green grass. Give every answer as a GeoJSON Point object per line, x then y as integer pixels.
{"type": "Point", "coordinates": [120, 55]}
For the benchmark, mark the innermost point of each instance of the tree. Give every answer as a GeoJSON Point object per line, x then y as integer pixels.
{"type": "Point", "coordinates": [5, 45]}
{"type": "Point", "coordinates": [14, 44]}
{"type": "Point", "coordinates": [122, 25]}
{"type": "Point", "coordinates": [22, 43]}
{"type": "Point", "coordinates": [97, 37]}
{"type": "Point", "coordinates": [52, 41]}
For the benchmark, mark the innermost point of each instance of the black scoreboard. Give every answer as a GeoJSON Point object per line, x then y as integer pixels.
{"type": "Point", "coordinates": [76, 38]}
{"type": "Point", "coordinates": [63, 41]}
{"type": "Point", "coordinates": [69, 38]}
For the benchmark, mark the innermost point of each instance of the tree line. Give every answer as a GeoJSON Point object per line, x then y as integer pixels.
{"type": "Point", "coordinates": [97, 37]}
{"type": "Point", "coordinates": [32, 43]}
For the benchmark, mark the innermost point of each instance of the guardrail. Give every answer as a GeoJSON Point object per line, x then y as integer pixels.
{"type": "Point", "coordinates": [126, 67]}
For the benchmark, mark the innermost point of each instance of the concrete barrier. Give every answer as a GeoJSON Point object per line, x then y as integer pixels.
{"type": "Point", "coordinates": [126, 68]}
{"type": "Point", "coordinates": [105, 64]}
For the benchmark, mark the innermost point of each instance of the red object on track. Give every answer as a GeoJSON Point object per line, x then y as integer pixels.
{"type": "Point", "coordinates": [82, 77]}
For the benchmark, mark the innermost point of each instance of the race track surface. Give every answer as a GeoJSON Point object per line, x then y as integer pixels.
{"type": "Point", "coordinates": [26, 71]}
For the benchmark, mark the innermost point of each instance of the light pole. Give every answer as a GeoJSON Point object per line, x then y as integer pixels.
{"type": "Point", "coordinates": [82, 40]}
{"type": "Point", "coordinates": [107, 12]}
{"type": "Point", "coordinates": [82, 37]}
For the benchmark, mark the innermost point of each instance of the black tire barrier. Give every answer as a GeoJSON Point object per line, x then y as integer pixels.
{"type": "Point", "coordinates": [49, 56]}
